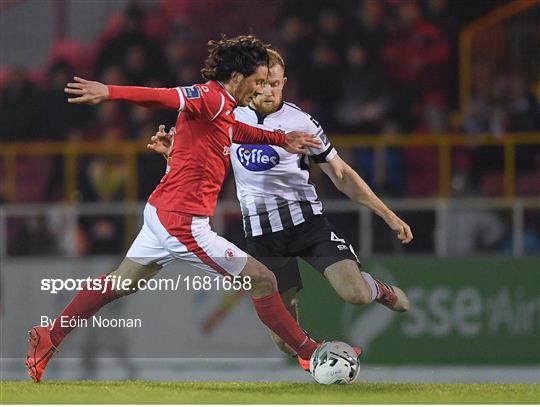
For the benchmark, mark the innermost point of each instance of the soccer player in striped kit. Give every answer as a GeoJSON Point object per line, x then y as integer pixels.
{"type": "Point", "coordinates": [176, 217]}
{"type": "Point", "coordinates": [283, 218]}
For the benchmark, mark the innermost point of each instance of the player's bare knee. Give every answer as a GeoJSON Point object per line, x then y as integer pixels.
{"type": "Point", "coordinates": [263, 281]}
{"type": "Point", "coordinates": [129, 275]}
{"type": "Point", "coordinates": [122, 288]}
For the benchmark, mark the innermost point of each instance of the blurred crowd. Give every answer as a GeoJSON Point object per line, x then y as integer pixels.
{"type": "Point", "coordinates": [376, 67]}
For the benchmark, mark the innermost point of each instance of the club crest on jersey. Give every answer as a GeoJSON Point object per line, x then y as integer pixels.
{"type": "Point", "coordinates": [229, 254]}
{"type": "Point", "coordinates": [191, 92]}
{"type": "Point", "coordinates": [257, 157]}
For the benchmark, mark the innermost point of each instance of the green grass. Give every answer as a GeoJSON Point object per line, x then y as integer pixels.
{"type": "Point", "coordinates": [59, 392]}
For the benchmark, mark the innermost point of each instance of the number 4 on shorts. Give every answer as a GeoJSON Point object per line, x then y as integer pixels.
{"type": "Point", "coordinates": [334, 238]}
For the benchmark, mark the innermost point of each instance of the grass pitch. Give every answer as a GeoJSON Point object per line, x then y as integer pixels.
{"type": "Point", "coordinates": [138, 392]}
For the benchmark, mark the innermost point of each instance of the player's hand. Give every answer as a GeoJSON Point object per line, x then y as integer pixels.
{"type": "Point", "coordinates": [88, 92]}
{"type": "Point", "coordinates": [298, 142]}
{"type": "Point", "coordinates": [161, 142]}
{"type": "Point", "coordinates": [403, 230]}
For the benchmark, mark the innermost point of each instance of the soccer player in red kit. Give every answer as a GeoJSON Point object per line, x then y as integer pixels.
{"type": "Point", "coordinates": [176, 217]}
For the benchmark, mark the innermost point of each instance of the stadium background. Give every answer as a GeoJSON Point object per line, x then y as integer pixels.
{"type": "Point", "coordinates": [435, 103]}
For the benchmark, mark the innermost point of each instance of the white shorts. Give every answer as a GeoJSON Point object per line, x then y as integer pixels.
{"type": "Point", "coordinates": [168, 236]}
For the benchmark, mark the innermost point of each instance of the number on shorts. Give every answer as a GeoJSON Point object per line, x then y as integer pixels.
{"type": "Point", "coordinates": [334, 238]}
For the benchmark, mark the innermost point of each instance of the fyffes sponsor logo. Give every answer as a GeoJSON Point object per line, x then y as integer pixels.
{"type": "Point", "coordinates": [257, 157]}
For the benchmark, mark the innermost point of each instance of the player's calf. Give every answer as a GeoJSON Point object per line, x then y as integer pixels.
{"type": "Point", "coordinates": [289, 300]}
{"type": "Point", "coordinates": [357, 295]}
{"type": "Point", "coordinates": [272, 312]}
{"type": "Point", "coordinates": [345, 277]}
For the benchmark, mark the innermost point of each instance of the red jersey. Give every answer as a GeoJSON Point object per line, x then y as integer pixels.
{"type": "Point", "coordinates": [205, 130]}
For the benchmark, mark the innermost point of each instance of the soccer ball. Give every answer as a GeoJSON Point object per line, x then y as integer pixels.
{"type": "Point", "coordinates": [334, 363]}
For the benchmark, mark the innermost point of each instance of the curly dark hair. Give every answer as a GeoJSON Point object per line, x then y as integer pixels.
{"type": "Point", "coordinates": [243, 54]}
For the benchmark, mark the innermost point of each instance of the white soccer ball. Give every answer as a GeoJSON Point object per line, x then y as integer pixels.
{"type": "Point", "coordinates": [334, 363]}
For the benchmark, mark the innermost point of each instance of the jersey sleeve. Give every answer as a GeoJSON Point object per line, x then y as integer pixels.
{"type": "Point", "coordinates": [326, 151]}
{"type": "Point", "coordinates": [165, 98]}
{"type": "Point", "coordinates": [202, 101]}
{"type": "Point", "coordinates": [246, 134]}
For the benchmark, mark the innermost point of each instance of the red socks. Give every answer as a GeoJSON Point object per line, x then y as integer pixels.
{"type": "Point", "coordinates": [270, 309]}
{"type": "Point", "coordinates": [275, 316]}
{"type": "Point", "coordinates": [86, 303]}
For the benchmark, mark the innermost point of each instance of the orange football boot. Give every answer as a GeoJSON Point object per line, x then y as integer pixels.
{"type": "Point", "coordinates": [40, 351]}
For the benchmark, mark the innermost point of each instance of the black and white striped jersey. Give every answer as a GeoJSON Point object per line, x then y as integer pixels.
{"type": "Point", "coordinates": [273, 185]}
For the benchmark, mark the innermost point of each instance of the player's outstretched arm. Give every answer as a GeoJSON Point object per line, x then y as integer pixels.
{"type": "Point", "coordinates": [161, 142]}
{"type": "Point", "coordinates": [83, 91]}
{"type": "Point", "coordinates": [296, 142]}
{"type": "Point", "coordinates": [351, 184]}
